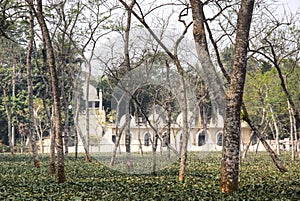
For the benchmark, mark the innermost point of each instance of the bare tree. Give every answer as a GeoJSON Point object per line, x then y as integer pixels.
{"type": "Point", "coordinates": [202, 51]}
{"type": "Point", "coordinates": [231, 136]}
{"type": "Point", "coordinates": [32, 134]}
{"type": "Point", "coordinates": [175, 59]}
{"type": "Point", "coordinates": [38, 10]}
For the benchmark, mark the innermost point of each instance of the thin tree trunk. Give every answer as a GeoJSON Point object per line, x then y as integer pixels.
{"type": "Point", "coordinates": [256, 150]}
{"type": "Point", "coordinates": [211, 78]}
{"type": "Point", "coordinates": [32, 134]}
{"type": "Point", "coordinates": [117, 143]}
{"type": "Point", "coordinates": [180, 71]}
{"type": "Point", "coordinates": [169, 114]}
{"type": "Point", "coordinates": [39, 134]}
{"type": "Point", "coordinates": [87, 157]}
{"type": "Point", "coordinates": [49, 112]}
{"type": "Point", "coordinates": [13, 95]}
{"type": "Point", "coordinates": [52, 149]}
{"type": "Point", "coordinates": [76, 142]}
{"type": "Point", "coordinates": [297, 145]}
{"type": "Point", "coordinates": [66, 115]}
{"type": "Point", "coordinates": [87, 109]}
{"type": "Point", "coordinates": [128, 139]}
{"type": "Point", "coordinates": [291, 130]}
{"type": "Point", "coordinates": [118, 134]}
{"type": "Point", "coordinates": [154, 147]}
{"type": "Point", "coordinates": [262, 139]}
{"type": "Point", "coordinates": [55, 90]}
{"type": "Point", "coordinates": [276, 131]}
{"type": "Point", "coordinates": [8, 114]}
{"type": "Point", "coordinates": [283, 85]}
{"type": "Point", "coordinates": [77, 128]}
{"type": "Point", "coordinates": [253, 135]}
{"type": "Point", "coordinates": [139, 139]}
{"type": "Point", "coordinates": [128, 65]}
{"type": "Point", "coordinates": [75, 115]}
{"type": "Point", "coordinates": [248, 145]}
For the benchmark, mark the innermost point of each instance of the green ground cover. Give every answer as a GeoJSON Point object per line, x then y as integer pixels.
{"type": "Point", "coordinates": [259, 180]}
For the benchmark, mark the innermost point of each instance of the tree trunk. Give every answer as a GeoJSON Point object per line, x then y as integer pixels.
{"type": "Point", "coordinates": [118, 135]}
{"type": "Point", "coordinates": [297, 145]}
{"type": "Point", "coordinates": [291, 130]}
{"type": "Point", "coordinates": [55, 91]}
{"type": "Point", "coordinates": [231, 133]}
{"type": "Point", "coordinates": [139, 139]}
{"type": "Point", "coordinates": [52, 149]}
{"type": "Point", "coordinates": [185, 133]}
{"type": "Point", "coordinates": [211, 78]}
{"type": "Point", "coordinates": [276, 131]}
{"type": "Point", "coordinates": [253, 135]}
{"type": "Point", "coordinates": [248, 145]}
{"type": "Point", "coordinates": [182, 84]}
{"type": "Point", "coordinates": [87, 109]}
{"type": "Point", "coordinates": [128, 95]}
{"type": "Point", "coordinates": [128, 139]}
{"type": "Point", "coordinates": [32, 134]}
{"type": "Point", "coordinates": [76, 142]}
{"type": "Point", "coordinates": [49, 112]}
{"type": "Point", "coordinates": [154, 147]}
{"type": "Point", "coordinates": [77, 128]}
{"type": "Point", "coordinates": [116, 145]}
{"type": "Point", "coordinates": [169, 112]}
{"type": "Point", "coordinates": [75, 116]}
{"type": "Point", "coordinates": [295, 110]}
{"type": "Point", "coordinates": [262, 138]}
{"type": "Point", "coordinates": [66, 115]}
{"type": "Point", "coordinates": [8, 114]}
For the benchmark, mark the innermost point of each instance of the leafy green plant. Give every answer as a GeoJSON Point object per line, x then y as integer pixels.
{"type": "Point", "coordinates": [259, 180]}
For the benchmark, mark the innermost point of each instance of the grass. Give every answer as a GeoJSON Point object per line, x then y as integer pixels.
{"type": "Point", "coordinates": [259, 180]}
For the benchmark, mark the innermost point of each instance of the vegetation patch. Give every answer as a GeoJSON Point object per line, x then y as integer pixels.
{"type": "Point", "coordinates": [259, 180]}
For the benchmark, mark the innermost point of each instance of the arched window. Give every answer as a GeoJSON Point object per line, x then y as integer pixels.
{"type": "Point", "coordinates": [147, 139]}
{"type": "Point", "coordinates": [113, 139]}
{"type": "Point", "coordinates": [201, 138]}
{"type": "Point", "coordinates": [219, 138]}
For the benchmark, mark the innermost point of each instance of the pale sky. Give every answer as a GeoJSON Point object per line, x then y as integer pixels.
{"type": "Point", "coordinates": [294, 5]}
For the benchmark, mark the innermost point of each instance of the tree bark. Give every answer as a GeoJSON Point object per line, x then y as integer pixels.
{"type": "Point", "coordinates": [77, 128]}
{"type": "Point", "coordinates": [117, 143]}
{"type": "Point", "coordinates": [291, 130]}
{"type": "Point", "coordinates": [32, 134]}
{"type": "Point", "coordinates": [214, 81]}
{"type": "Point", "coordinates": [211, 78]}
{"type": "Point", "coordinates": [118, 133]}
{"type": "Point", "coordinates": [231, 132]}
{"type": "Point", "coordinates": [276, 131]}
{"type": "Point", "coordinates": [87, 109]}
{"type": "Point", "coordinates": [127, 110]}
{"type": "Point", "coordinates": [9, 123]}
{"type": "Point", "coordinates": [55, 91]}
{"type": "Point", "coordinates": [154, 153]}
{"type": "Point", "coordinates": [66, 126]}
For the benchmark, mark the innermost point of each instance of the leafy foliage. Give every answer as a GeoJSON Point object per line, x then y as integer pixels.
{"type": "Point", "coordinates": [259, 180]}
